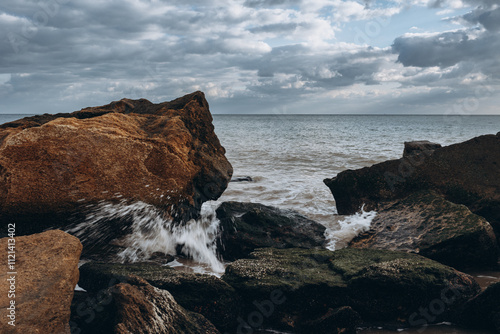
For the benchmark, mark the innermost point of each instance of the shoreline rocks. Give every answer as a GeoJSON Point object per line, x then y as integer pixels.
{"type": "Point", "coordinates": [427, 224]}
{"type": "Point", "coordinates": [166, 154]}
{"type": "Point", "coordinates": [46, 269]}
{"type": "Point", "coordinates": [247, 226]}
{"type": "Point", "coordinates": [466, 173]}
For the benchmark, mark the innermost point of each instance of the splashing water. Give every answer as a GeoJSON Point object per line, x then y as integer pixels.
{"type": "Point", "coordinates": [349, 228]}
{"type": "Point", "coordinates": [149, 232]}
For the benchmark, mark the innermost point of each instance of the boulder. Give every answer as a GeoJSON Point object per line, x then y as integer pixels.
{"type": "Point", "coordinates": [417, 147]}
{"type": "Point", "coordinates": [290, 287]}
{"type": "Point", "coordinates": [431, 226]}
{"type": "Point", "coordinates": [204, 294]}
{"type": "Point", "coordinates": [466, 173]}
{"type": "Point", "coordinates": [54, 166]}
{"type": "Point", "coordinates": [137, 307]}
{"type": "Point", "coordinates": [247, 226]}
{"type": "Point", "coordinates": [45, 274]}
{"type": "Point", "coordinates": [483, 311]}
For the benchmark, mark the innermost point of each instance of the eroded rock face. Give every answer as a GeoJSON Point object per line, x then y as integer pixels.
{"type": "Point", "coordinates": [163, 154]}
{"type": "Point", "coordinates": [380, 285]}
{"type": "Point", "coordinates": [204, 294]}
{"type": "Point", "coordinates": [427, 224]}
{"type": "Point", "coordinates": [137, 307]}
{"type": "Point", "coordinates": [47, 273]}
{"type": "Point", "coordinates": [466, 173]}
{"type": "Point", "coordinates": [247, 226]}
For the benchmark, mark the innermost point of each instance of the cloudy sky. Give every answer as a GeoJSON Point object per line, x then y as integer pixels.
{"type": "Point", "coordinates": [253, 56]}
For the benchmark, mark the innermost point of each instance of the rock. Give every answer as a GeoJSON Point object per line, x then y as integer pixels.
{"type": "Point", "coordinates": [242, 179]}
{"type": "Point", "coordinates": [417, 147]}
{"type": "Point", "coordinates": [427, 224]}
{"type": "Point", "coordinates": [46, 267]}
{"type": "Point", "coordinates": [466, 173]}
{"type": "Point", "coordinates": [165, 154]}
{"type": "Point", "coordinates": [298, 285]}
{"type": "Point", "coordinates": [483, 311]}
{"type": "Point", "coordinates": [204, 294]}
{"type": "Point", "coordinates": [137, 307]}
{"type": "Point", "coordinates": [247, 226]}
{"type": "Point", "coordinates": [342, 320]}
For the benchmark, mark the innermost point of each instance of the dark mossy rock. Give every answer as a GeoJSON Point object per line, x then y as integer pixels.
{"type": "Point", "coordinates": [247, 226]}
{"type": "Point", "coordinates": [483, 311]}
{"type": "Point", "coordinates": [466, 173]}
{"type": "Point", "coordinates": [204, 294]}
{"type": "Point", "coordinates": [431, 226]}
{"type": "Point", "coordinates": [134, 307]}
{"type": "Point", "coordinates": [380, 285]}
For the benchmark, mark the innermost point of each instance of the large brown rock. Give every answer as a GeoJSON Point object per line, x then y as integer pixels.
{"type": "Point", "coordinates": [164, 154]}
{"type": "Point", "coordinates": [46, 275]}
{"type": "Point", "coordinates": [466, 173]}
{"type": "Point", "coordinates": [139, 308]}
{"type": "Point", "coordinates": [429, 225]}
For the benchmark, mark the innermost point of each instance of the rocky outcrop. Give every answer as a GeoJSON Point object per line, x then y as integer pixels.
{"type": "Point", "coordinates": [466, 173]}
{"type": "Point", "coordinates": [483, 311]}
{"type": "Point", "coordinates": [44, 277]}
{"type": "Point", "coordinates": [289, 287]}
{"type": "Point", "coordinates": [137, 307]}
{"type": "Point", "coordinates": [247, 226]}
{"type": "Point", "coordinates": [204, 294]}
{"type": "Point", "coordinates": [427, 224]}
{"type": "Point", "coordinates": [164, 154]}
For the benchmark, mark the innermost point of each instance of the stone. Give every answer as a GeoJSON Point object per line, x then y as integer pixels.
{"type": "Point", "coordinates": [204, 294]}
{"type": "Point", "coordinates": [466, 173]}
{"type": "Point", "coordinates": [54, 167]}
{"type": "Point", "coordinates": [247, 226]}
{"type": "Point", "coordinates": [138, 307]}
{"type": "Point", "coordinates": [46, 273]}
{"type": "Point", "coordinates": [380, 285]}
{"type": "Point", "coordinates": [431, 226]}
{"type": "Point", "coordinates": [483, 311]}
{"type": "Point", "coordinates": [417, 147]}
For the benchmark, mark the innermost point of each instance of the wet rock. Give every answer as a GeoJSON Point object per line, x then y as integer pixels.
{"type": "Point", "coordinates": [427, 224]}
{"type": "Point", "coordinates": [342, 320]}
{"type": "Point", "coordinates": [380, 285]}
{"type": "Point", "coordinates": [247, 226]}
{"type": "Point", "coordinates": [137, 307]}
{"type": "Point", "coordinates": [204, 294]}
{"type": "Point", "coordinates": [46, 267]}
{"type": "Point", "coordinates": [242, 179]}
{"type": "Point", "coordinates": [483, 311]}
{"type": "Point", "coordinates": [166, 155]}
{"type": "Point", "coordinates": [417, 147]}
{"type": "Point", "coordinates": [466, 173]}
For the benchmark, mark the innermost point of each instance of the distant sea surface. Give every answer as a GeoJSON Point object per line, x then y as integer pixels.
{"type": "Point", "coordinates": [288, 156]}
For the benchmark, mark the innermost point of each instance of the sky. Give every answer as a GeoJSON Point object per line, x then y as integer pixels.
{"type": "Point", "coordinates": [253, 56]}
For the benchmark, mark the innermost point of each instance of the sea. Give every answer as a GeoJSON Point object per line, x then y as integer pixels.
{"type": "Point", "coordinates": [283, 160]}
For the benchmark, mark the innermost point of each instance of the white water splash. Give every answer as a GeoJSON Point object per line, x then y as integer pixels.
{"type": "Point", "coordinates": [349, 228]}
{"type": "Point", "coordinates": [151, 232]}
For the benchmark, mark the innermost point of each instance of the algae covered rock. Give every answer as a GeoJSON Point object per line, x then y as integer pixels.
{"type": "Point", "coordinates": [429, 225]}
{"type": "Point", "coordinates": [204, 294]}
{"type": "Point", "coordinates": [380, 285]}
{"type": "Point", "coordinates": [247, 226]}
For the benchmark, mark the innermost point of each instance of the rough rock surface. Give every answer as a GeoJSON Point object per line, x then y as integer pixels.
{"type": "Point", "coordinates": [204, 294]}
{"type": "Point", "coordinates": [417, 147]}
{"type": "Point", "coordinates": [164, 154]}
{"type": "Point", "coordinates": [380, 285]}
{"type": "Point", "coordinates": [483, 311]}
{"type": "Point", "coordinates": [466, 173]}
{"type": "Point", "coordinates": [427, 224]}
{"type": "Point", "coordinates": [247, 226]}
{"type": "Point", "coordinates": [139, 308]}
{"type": "Point", "coordinates": [47, 273]}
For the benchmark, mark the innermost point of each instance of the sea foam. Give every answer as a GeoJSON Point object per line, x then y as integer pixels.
{"type": "Point", "coordinates": [348, 228]}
